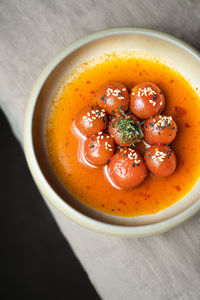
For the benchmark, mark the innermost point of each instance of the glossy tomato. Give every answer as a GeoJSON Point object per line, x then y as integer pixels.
{"type": "Point", "coordinates": [146, 100]}
{"type": "Point", "coordinates": [160, 130]}
{"type": "Point", "coordinates": [160, 160]}
{"type": "Point", "coordinates": [91, 120]}
{"type": "Point", "coordinates": [113, 97]}
{"type": "Point", "coordinates": [125, 130]}
{"type": "Point", "coordinates": [127, 168]}
{"type": "Point", "coordinates": [98, 149]}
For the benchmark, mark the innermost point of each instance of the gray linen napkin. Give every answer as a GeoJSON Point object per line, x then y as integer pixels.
{"type": "Point", "coordinates": [31, 33]}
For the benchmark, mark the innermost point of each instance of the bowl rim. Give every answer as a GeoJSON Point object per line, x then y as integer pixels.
{"type": "Point", "coordinates": [45, 188]}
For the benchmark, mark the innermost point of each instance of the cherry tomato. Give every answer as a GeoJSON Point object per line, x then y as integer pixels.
{"type": "Point", "coordinates": [127, 168]}
{"type": "Point", "coordinates": [160, 130]}
{"type": "Point", "coordinates": [98, 149]}
{"type": "Point", "coordinates": [123, 137]}
{"type": "Point", "coordinates": [112, 97]}
{"type": "Point", "coordinates": [91, 120]}
{"type": "Point", "coordinates": [160, 160]}
{"type": "Point", "coordinates": [146, 100]}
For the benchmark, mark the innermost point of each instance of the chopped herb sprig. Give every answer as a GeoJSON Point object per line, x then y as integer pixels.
{"type": "Point", "coordinates": [131, 132]}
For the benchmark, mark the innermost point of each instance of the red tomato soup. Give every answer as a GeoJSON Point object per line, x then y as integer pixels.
{"type": "Point", "coordinates": [90, 184]}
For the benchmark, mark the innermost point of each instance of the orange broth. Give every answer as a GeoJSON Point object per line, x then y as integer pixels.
{"type": "Point", "coordinates": [90, 185]}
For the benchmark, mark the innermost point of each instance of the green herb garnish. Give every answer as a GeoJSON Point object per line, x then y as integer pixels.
{"type": "Point", "coordinates": [131, 132]}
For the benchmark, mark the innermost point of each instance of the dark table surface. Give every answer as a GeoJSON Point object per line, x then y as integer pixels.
{"type": "Point", "coordinates": [36, 261]}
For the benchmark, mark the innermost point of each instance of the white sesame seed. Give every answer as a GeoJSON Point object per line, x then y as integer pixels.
{"type": "Point", "coordinates": [115, 92]}
{"type": "Point", "coordinates": [163, 120]}
{"type": "Point", "coordinates": [159, 156]}
{"type": "Point", "coordinates": [84, 117]}
{"type": "Point", "coordinates": [109, 91]}
{"type": "Point", "coordinates": [88, 114]}
{"type": "Point", "coordinates": [146, 91]}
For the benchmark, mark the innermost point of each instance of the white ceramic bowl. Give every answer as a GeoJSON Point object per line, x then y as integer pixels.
{"type": "Point", "coordinates": [180, 55]}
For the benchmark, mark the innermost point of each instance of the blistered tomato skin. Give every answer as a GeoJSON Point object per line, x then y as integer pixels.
{"type": "Point", "coordinates": [146, 100]}
{"type": "Point", "coordinates": [113, 97]}
{"type": "Point", "coordinates": [98, 149]}
{"type": "Point", "coordinates": [160, 160]}
{"type": "Point", "coordinates": [115, 132]}
{"type": "Point", "coordinates": [159, 130]}
{"type": "Point", "coordinates": [127, 169]}
{"type": "Point", "coordinates": [91, 120]}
